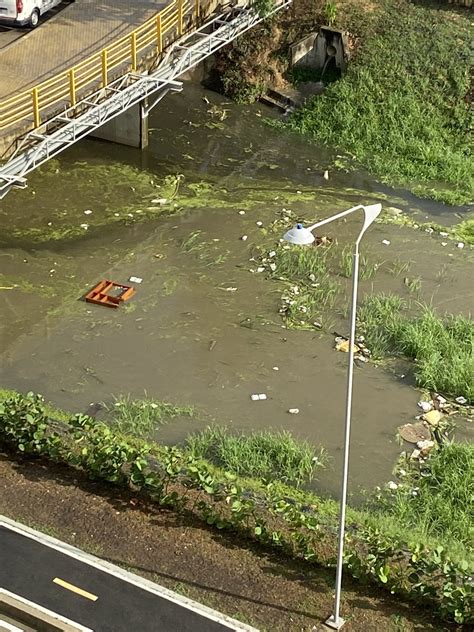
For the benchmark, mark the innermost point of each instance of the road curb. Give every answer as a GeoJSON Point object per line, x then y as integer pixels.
{"type": "Point", "coordinates": [116, 571]}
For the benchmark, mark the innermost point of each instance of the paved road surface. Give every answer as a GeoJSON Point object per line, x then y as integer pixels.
{"type": "Point", "coordinates": [81, 29]}
{"type": "Point", "coordinates": [105, 602]}
{"type": "Point", "coordinates": [9, 34]}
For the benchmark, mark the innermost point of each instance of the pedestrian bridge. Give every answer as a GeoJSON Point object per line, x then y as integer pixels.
{"type": "Point", "coordinates": [120, 81]}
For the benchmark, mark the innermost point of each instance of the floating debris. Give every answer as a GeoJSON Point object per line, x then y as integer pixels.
{"type": "Point", "coordinates": [343, 345]}
{"type": "Point", "coordinates": [461, 400]}
{"type": "Point", "coordinates": [293, 411]}
{"type": "Point", "coordinates": [433, 417]}
{"type": "Point", "coordinates": [134, 279]}
{"type": "Point", "coordinates": [425, 406]}
{"type": "Point", "coordinates": [386, 242]}
{"type": "Point", "coordinates": [425, 446]}
{"type": "Point", "coordinates": [258, 396]}
{"type": "Point", "coordinates": [413, 433]}
{"type": "Point", "coordinates": [244, 237]}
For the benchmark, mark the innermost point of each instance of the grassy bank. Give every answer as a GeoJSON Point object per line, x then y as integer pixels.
{"type": "Point", "coordinates": [390, 552]}
{"type": "Point", "coordinates": [401, 109]}
{"type": "Point", "coordinates": [436, 498]}
{"type": "Point", "coordinates": [442, 349]}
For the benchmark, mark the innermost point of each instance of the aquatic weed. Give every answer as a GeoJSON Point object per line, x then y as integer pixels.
{"type": "Point", "coordinates": [141, 416]}
{"type": "Point", "coordinates": [264, 454]}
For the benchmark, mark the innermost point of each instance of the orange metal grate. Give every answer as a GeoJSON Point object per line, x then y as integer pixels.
{"type": "Point", "coordinates": [110, 294]}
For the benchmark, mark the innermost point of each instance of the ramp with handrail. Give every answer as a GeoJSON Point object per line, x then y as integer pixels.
{"type": "Point", "coordinates": [112, 97]}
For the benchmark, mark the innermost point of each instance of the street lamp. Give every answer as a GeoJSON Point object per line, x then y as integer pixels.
{"type": "Point", "coordinates": [302, 236]}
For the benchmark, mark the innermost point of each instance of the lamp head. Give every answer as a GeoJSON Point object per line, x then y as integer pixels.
{"type": "Point", "coordinates": [299, 235]}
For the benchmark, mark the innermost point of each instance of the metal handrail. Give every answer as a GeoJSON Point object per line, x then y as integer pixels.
{"type": "Point", "coordinates": [29, 107]}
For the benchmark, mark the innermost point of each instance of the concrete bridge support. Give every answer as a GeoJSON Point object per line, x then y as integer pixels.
{"type": "Point", "coordinates": [129, 128]}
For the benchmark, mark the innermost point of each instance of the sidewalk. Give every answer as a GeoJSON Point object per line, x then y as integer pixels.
{"type": "Point", "coordinates": [79, 30]}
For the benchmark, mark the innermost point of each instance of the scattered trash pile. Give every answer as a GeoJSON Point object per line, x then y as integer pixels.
{"type": "Point", "coordinates": [361, 352]}
{"type": "Point", "coordinates": [432, 426]}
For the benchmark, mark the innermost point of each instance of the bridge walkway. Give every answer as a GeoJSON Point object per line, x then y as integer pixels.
{"type": "Point", "coordinates": [81, 29]}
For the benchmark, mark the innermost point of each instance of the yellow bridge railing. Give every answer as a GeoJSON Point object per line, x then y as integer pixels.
{"type": "Point", "coordinates": [29, 107]}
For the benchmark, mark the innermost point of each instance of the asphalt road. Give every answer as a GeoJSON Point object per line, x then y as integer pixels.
{"type": "Point", "coordinates": [104, 603]}
{"type": "Point", "coordinates": [9, 34]}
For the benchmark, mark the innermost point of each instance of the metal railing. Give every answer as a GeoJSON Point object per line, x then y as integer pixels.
{"type": "Point", "coordinates": [29, 108]}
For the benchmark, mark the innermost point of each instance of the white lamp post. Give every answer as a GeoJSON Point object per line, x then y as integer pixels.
{"type": "Point", "coordinates": [304, 236]}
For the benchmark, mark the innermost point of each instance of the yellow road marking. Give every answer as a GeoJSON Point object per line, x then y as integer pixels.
{"type": "Point", "coordinates": [75, 589]}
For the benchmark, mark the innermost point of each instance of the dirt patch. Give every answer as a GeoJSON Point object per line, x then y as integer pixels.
{"type": "Point", "coordinates": [227, 573]}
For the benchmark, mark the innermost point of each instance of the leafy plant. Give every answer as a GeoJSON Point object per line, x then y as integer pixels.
{"type": "Point", "coordinates": [263, 7]}
{"type": "Point", "coordinates": [330, 13]}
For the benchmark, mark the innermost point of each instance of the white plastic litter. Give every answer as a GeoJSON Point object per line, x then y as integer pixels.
{"type": "Point", "coordinates": [241, 212]}
{"type": "Point", "coordinates": [461, 400]}
{"type": "Point", "coordinates": [259, 223]}
{"type": "Point", "coordinates": [460, 245]}
{"type": "Point", "coordinates": [425, 406]}
{"type": "Point", "coordinates": [276, 368]}
{"type": "Point", "coordinates": [244, 238]}
{"type": "Point", "coordinates": [87, 212]}
{"type": "Point", "coordinates": [386, 242]}
{"type": "Point", "coordinates": [294, 411]}
{"type": "Point", "coordinates": [134, 279]}
{"type": "Point", "coordinates": [258, 396]}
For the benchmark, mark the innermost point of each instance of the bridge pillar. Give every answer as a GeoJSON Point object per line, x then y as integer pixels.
{"type": "Point", "coordinates": [129, 128]}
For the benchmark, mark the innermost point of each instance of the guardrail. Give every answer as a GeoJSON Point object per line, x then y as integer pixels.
{"type": "Point", "coordinates": [30, 106]}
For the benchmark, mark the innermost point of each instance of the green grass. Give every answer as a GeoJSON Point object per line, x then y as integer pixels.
{"type": "Point", "coordinates": [401, 109]}
{"type": "Point", "coordinates": [442, 348]}
{"type": "Point", "coordinates": [140, 417]}
{"type": "Point", "coordinates": [413, 284]}
{"type": "Point", "coordinates": [367, 268]}
{"type": "Point", "coordinates": [464, 231]}
{"type": "Point", "coordinates": [438, 503]}
{"type": "Point", "coordinates": [311, 291]}
{"type": "Point", "coordinates": [264, 454]}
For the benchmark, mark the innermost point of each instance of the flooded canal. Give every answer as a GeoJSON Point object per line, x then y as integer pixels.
{"type": "Point", "coordinates": [203, 327]}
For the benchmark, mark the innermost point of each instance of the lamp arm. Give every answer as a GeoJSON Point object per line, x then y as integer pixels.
{"type": "Point", "coordinates": [370, 213]}
{"type": "Point", "coordinates": [334, 217]}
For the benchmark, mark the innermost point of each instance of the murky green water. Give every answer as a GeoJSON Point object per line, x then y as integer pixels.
{"type": "Point", "coordinates": [203, 329]}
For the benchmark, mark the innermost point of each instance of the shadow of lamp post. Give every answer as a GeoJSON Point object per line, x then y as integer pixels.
{"type": "Point", "coordinates": [301, 236]}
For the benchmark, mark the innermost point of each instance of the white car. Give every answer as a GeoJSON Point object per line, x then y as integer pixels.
{"type": "Point", "coordinates": [24, 12]}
